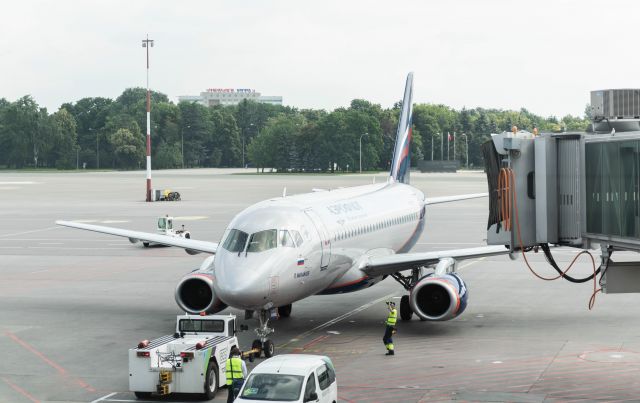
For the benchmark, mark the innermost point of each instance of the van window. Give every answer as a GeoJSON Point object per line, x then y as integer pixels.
{"type": "Point", "coordinates": [310, 388]}
{"type": "Point", "coordinates": [323, 377]}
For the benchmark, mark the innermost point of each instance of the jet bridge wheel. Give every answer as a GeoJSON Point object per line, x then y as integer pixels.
{"type": "Point", "coordinates": [211, 381]}
{"type": "Point", "coordinates": [405, 309]}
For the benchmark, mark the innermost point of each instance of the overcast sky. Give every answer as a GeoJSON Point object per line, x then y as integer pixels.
{"type": "Point", "coordinates": [541, 55]}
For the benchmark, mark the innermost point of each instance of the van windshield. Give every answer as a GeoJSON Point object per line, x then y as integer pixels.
{"type": "Point", "coordinates": [272, 387]}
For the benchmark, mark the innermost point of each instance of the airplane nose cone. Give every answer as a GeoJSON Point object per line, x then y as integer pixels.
{"type": "Point", "coordinates": [242, 282]}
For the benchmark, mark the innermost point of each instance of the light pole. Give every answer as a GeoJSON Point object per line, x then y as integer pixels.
{"type": "Point", "coordinates": [148, 43]}
{"type": "Point", "coordinates": [432, 145]}
{"type": "Point", "coordinates": [182, 143]}
{"type": "Point", "coordinates": [466, 147]}
{"type": "Point", "coordinates": [363, 134]}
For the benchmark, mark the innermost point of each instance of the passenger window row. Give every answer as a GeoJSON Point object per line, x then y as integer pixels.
{"type": "Point", "coordinates": [364, 229]}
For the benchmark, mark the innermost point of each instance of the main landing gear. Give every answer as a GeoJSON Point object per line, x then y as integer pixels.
{"type": "Point", "coordinates": [406, 313]}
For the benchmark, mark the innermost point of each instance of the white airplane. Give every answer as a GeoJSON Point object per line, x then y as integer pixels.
{"type": "Point", "coordinates": [285, 249]}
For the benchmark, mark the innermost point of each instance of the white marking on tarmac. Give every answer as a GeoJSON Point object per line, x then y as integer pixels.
{"type": "Point", "coordinates": [18, 183]}
{"type": "Point", "coordinates": [104, 397]}
{"type": "Point", "coordinates": [113, 221]}
{"type": "Point", "coordinates": [51, 243]}
{"type": "Point", "coordinates": [8, 188]}
{"type": "Point", "coordinates": [333, 332]}
{"type": "Point", "coordinates": [30, 232]}
{"type": "Point", "coordinates": [341, 317]}
{"type": "Point", "coordinates": [69, 248]}
{"type": "Point", "coordinates": [84, 221]}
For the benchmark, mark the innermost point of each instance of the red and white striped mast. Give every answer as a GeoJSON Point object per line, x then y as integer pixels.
{"type": "Point", "coordinates": [147, 43]}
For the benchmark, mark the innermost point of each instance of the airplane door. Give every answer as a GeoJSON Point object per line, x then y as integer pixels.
{"type": "Point", "coordinates": [325, 238]}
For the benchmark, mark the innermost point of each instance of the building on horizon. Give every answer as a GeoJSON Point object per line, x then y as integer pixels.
{"type": "Point", "coordinates": [230, 96]}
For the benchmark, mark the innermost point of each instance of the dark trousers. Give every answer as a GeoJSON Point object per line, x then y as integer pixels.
{"type": "Point", "coordinates": [234, 390]}
{"type": "Point", "coordinates": [387, 339]}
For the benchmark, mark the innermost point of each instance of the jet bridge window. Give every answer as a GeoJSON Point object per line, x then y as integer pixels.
{"type": "Point", "coordinates": [235, 241]}
{"type": "Point", "coordinates": [263, 240]}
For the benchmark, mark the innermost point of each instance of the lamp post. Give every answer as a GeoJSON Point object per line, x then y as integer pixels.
{"type": "Point", "coordinates": [182, 143]}
{"type": "Point", "coordinates": [148, 43]}
{"type": "Point", "coordinates": [363, 134]}
{"type": "Point", "coordinates": [466, 147]}
{"type": "Point", "coordinates": [432, 145]}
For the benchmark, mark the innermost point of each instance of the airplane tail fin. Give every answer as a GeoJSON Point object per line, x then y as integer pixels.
{"type": "Point", "coordinates": [402, 152]}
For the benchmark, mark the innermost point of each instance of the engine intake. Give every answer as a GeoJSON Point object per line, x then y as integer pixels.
{"type": "Point", "coordinates": [439, 297]}
{"type": "Point", "coordinates": [195, 294]}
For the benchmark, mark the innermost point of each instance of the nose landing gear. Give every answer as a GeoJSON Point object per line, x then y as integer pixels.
{"type": "Point", "coordinates": [263, 344]}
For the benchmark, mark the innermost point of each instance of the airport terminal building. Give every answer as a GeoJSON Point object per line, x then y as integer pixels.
{"type": "Point", "coordinates": [230, 96]}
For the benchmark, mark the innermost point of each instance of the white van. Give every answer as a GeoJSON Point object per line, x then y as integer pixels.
{"type": "Point", "coordinates": [291, 378]}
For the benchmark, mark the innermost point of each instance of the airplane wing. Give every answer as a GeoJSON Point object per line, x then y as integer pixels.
{"type": "Point", "coordinates": [390, 264]}
{"type": "Point", "coordinates": [191, 246]}
{"type": "Point", "coordinates": [447, 199]}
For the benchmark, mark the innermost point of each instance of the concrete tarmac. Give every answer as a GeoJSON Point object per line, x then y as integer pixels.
{"type": "Point", "coordinates": [73, 302]}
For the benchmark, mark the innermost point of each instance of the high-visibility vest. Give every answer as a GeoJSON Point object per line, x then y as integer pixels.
{"type": "Point", "coordinates": [393, 316]}
{"type": "Point", "coordinates": [234, 369]}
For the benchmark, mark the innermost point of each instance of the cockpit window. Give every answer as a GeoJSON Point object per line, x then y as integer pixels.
{"type": "Point", "coordinates": [286, 240]}
{"type": "Point", "coordinates": [235, 241]}
{"type": "Point", "coordinates": [263, 240]}
{"type": "Point", "coordinates": [297, 237]}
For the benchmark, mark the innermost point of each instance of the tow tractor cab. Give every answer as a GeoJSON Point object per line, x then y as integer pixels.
{"type": "Point", "coordinates": [165, 227]}
{"type": "Point", "coordinates": [291, 378]}
{"type": "Point", "coordinates": [192, 360]}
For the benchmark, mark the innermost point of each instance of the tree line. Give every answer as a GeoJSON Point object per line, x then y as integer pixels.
{"type": "Point", "coordinates": [102, 133]}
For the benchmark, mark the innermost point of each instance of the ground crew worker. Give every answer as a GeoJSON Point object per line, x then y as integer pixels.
{"type": "Point", "coordinates": [391, 327]}
{"type": "Point", "coordinates": [236, 373]}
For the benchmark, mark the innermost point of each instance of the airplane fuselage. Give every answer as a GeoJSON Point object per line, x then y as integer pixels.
{"type": "Point", "coordinates": [285, 249]}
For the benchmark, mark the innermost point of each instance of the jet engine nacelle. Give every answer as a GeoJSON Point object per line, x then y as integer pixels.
{"type": "Point", "coordinates": [439, 297]}
{"type": "Point", "coordinates": [195, 294]}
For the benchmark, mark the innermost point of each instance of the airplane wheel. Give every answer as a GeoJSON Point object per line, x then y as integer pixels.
{"type": "Point", "coordinates": [268, 348]}
{"type": "Point", "coordinates": [257, 344]}
{"type": "Point", "coordinates": [284, 311]}
{"type": "Point", "coordinates": [405, 309]}
{"type": "Point", "coordinates": [145, 244]}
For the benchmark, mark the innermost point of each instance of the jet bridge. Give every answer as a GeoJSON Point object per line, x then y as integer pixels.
{"type": "Point", "coordinates": [571, 189]}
